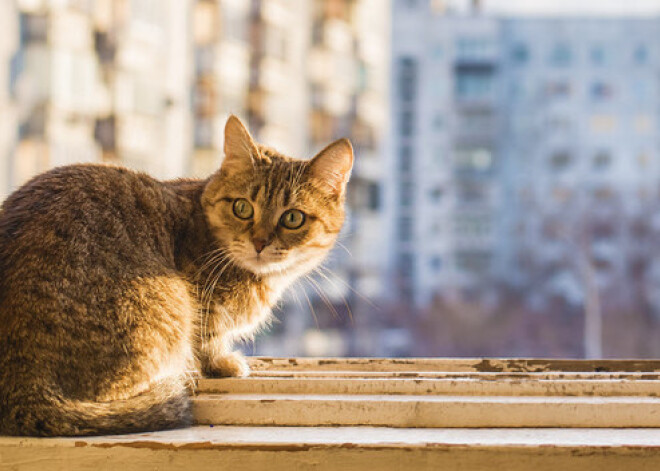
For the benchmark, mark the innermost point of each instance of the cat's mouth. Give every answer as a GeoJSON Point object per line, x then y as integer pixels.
{"type": "Point", "coordinates": [264, 263]}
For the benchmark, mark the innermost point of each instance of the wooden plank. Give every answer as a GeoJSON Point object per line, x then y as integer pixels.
{"type": "Point", "coordinates": [482, 365]}
{"type": "Point", "coordinates": [450, 374]}
{"type": "Point", "coordinates": [475, 386]}
{"type": "Point", "coordinates": [349, 448]}
{"type": "Point", "coordinates": [426, 411]}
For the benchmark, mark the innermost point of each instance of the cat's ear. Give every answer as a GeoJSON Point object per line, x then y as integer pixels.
{"type": "Point", "coordinates": [240, 149]}
{"type": "Point", "coordinates": [332, 166]}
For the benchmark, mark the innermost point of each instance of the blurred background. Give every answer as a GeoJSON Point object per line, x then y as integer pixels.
{"type": "Point", "coordinates": [505, 199]}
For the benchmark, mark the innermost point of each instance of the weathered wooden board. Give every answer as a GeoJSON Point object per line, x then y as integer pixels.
{"type": "Point", "coordinates": [481, 365]}
{"type": "Point", "coordinates": [349, 448]}
{"type": "Point", "coordinates": [435, 393]}
{"type": "Point", "coordinates": [472, 386]}
{"type": "Point", "coordinates": [426, 411]}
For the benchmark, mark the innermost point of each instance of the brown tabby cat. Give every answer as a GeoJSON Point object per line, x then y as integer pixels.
{"type": "Point", "coordinates": [114, 286]}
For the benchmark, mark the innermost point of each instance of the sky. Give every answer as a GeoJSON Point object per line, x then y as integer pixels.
{"type": "Point", "coordinates": [568, 7]}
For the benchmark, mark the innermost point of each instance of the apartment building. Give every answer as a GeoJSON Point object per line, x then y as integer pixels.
{"type": "Point", "coordinates": [581, 143]}
{"type": "Point", "coordinates": [143, 54]}
{"type": "Point", "coordinates": [523, 150]}
{"type": "Point", "coordinates": [55, 86]}
{"type": "Point", "coordinates": [221, 75]}
{"type": "Point", "coordinates": [99, 80]}
{"type": "Point", "coordinates": [444, 186]}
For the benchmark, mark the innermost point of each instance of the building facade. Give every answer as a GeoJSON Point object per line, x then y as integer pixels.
{"type": "Point", "coordinates": [581, 144]}
{"type": "Point", "coordinates": [524, 153]}
{"type": "Point", "coordinates": [444, 161]}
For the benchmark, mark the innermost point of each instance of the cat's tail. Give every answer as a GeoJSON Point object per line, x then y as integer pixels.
{"type": "Point", "coordinates": [165, 406]}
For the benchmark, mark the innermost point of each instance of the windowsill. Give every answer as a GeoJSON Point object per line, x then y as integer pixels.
{"type": "Point", "coordinates": [394, 414]}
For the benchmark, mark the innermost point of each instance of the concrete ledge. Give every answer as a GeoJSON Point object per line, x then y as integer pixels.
{"type": "Point", "coordinates": [435, 392]}
{"type": "Point", "coordinates": [350, 448]}
{"type": "Point", "coordinates": [421, 406]}
{"type": "Point", "coordinates": [426, 411]}
{"type": "Point", "coordinates": [476, 365]}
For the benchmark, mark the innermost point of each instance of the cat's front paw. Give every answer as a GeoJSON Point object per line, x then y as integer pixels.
{"type": "Point", "coordinates": [231, 364]}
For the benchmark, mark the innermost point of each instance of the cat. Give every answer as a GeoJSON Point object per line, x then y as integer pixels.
{"type": "Point", "coordinates": [114, 286]}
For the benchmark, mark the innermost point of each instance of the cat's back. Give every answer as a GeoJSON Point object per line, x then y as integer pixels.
{"type": "Point", "coordinates": [84, 209]}
{"type": "Point", "coordinates": [75, 231]}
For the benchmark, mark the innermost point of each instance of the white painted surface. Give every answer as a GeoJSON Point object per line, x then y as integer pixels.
{"type": "Point", "coordinates": [435, 392]}
{"type": "Point", "coordinates": [347, 448]}
{"type": "Point", "coordinates": [427, 411]}
{"type": "Point", "coordinates": [468, 414]}
{"type": "Point", "coordinates": [475, 385]}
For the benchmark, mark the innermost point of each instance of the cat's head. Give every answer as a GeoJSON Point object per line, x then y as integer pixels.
{"type": "Point", "coordinates": [274, 214]}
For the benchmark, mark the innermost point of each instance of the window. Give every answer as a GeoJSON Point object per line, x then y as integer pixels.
{"type": "Point", "coordinates": [474, 48]}
{"type": "Point", "coordinates": [641, 54]}
{"type": "Point", "coordinates": [601, 91]}
{"type": "Point", "coordinates": [33, 28]}
{"type": "Point", "coordinates": [520, 54]}
{"type": "Point", "coordinates": [471, 192]}
{"type": "Point", "coordinates": [603, 193]}
{"type": "Point", "coordinates": [643, 159]}
{"type": "Point", "coordinates": [274, 41]}
{"type": "Point", "coordinates": [473, 261]}
{"type": "Point", "coordinates": [474, 83]}
{"type": "Point", "coordinates": [562, 195]}
{"type": "Point", "coordinates": [479, 121]}
{"type": "Point", "coordinates": [439, 157]}
{"type": "Point", "coordinates": [405, 159]}
{"type": "Point", "coordinates": [234, 22]}
{"type": "Point", "coordinates": [406, 123]}
{"type": "Point", "coordinates": [105, 133]}
{"type": "Point", "coordinates": [471, 225]}
{"type": "Point", "coordinates": [205, 59]}
{"type": "Point", "coordinates": [598, 55]}
{"type": "Point", "coordinates": [643, 124]}
{"type": "Point", "coordinates": [602, 160]}
{"type": "Point", "coordinates": [642, 90]}
{"type": "Point", "coordinates": [105, 46]}
{"type": "Point", "coordinates": [407, 79]}
{"type": "Point", "coordinates": [405, 229]}
{"type": "Point", "coordinates": [559, 124]}
{"type": "Point", "coordinates": [204, 133]}
{"type": "Point", "coordinates": [438, 120]}
{"type": "Point", "coordinates": [479, 159]}
{"type": "Point", "coordinates": [34, 125]}
{"type": "Point", "coordinates": [411, 4]}
{"type": "Point", "coordinates": [560, 160]}
{"type": "Point", "coordinates": [373, 196]}
{"type": "Point", "coordinates": [558, 89]}
{"type": "Point", "coordinates": [436, 194]}
{"type": "Point", "coordinates": [407, 265]}
{"type": "Point", "coordinates": [147, 12]}
{"type": "Point", "coordinates": [603, 123]}
{"type": "Point", "coordinates": [406, 196]}
{"type": "Point", "coordinates": [560, 56]}
{"type": "Point", "coordinates": [436, 263]}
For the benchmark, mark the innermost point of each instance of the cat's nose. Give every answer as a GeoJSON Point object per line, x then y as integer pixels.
{"type": "Point", "coordinates": [260, 244]}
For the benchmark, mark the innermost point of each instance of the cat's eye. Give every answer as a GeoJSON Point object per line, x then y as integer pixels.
{"type": "Point", "coordinates": [292, 219]}
{"type": "Point", "coordinates": [243, 209]}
